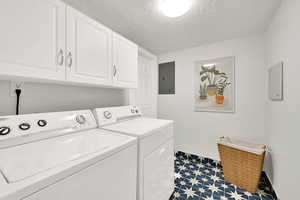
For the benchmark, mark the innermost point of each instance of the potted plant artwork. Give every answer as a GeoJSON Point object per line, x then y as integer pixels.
{"type": "Point", "coordinates": [221, 84]}
{"type": "Point", "coordinates": [214, 85]}
{"type": "Point", "coordinates": [203, 92]}
{"type": "Point", "coordinates": [211, 74]}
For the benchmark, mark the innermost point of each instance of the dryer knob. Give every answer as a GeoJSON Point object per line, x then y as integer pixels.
{"type": "Point", "coordinates": [80, 119]}
{"type": "Point", "coordinates": [24, 126]}
{"type": "Point", "coordinates": [4, 130]}
{"type": "Point", "coordinates": [107, 114]}
{"type": "Point", "coordinates": [42, 123]}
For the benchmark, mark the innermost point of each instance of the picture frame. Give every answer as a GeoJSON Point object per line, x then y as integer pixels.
{"type": "Point", "coordinates": [214, 85]}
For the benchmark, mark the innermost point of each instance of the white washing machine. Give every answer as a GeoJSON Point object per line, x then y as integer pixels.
{"type": "Point", "coordinates": [64, 156]}
{"type": "Point", "coordinates": [155, 148]}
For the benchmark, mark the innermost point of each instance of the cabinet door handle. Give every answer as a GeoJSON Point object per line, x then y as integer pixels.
{"type": "Point", "coordinates": [60, 57]}
{"type": "Point", "coordinates": [115, 70]}
{"type": "Point", "coordinates": [70, 59]}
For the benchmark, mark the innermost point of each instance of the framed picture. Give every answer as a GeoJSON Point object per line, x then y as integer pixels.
{"type": "Point", "coordinates": [215, 85]}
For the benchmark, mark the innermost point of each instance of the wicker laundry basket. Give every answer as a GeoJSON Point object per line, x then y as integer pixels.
{"type": "Point", "coordinates": [242, 162]}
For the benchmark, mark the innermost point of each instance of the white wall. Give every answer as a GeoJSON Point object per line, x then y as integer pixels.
{"type": "Point", "coordinates": [197, 132]}
{"type": "Point", "coordinates": [283, 44]}
{"type": "Point", "coordinates": [51, 98]}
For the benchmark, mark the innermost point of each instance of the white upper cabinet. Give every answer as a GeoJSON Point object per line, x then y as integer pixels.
{"type": "Point", "coordinates": [32, 39]}
{"type": "Point", "coordinates": [46, 40]}
{"type": "Point", "coordinates": [89, 54]}
{"type": "Point", "coordinates": [125, 62]}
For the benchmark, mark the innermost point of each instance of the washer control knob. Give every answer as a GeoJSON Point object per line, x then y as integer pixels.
{"type": "Point", "coordinates": [107, 114]}
{"type": "Point", "coordinates": [80, 119]}
{"type": "Point", "coordinates": [4, 130]}
{"type": "Point", "coordinates": [24, 126]}
{"type": "Point", "coordinates": [42, 123]}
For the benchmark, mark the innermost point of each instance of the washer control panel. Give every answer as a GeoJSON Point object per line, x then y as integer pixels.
{"type": "Point", "coordinates": [21, 126]}
{"type": "Point", "coordinates": [105, 116]}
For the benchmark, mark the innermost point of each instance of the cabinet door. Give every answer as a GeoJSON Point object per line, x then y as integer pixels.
{"type": "Point", "coordinates": [125, 62]}
{"type": "Point", "coordinates": [88, 56]}
{"type": "Point", "coordinates": [32, 39]}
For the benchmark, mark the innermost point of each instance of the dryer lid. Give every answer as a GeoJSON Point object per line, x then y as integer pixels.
{"type": "Point", "coordinates": [24, 161]}
{"type": "Point", "coordinates": [138, 127]}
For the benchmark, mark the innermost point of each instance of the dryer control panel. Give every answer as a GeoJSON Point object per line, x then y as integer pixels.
{"type": "Point", "coordinates": [110, 115]}
{"type": "Point", "coordinates": [25, 128]}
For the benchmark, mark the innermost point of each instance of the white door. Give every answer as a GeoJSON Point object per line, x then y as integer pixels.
{"type": "Point", "coordinates": [125, 62]}
{"type": "Point", "coordinates": [32, 38]}
{"type": "Point", "coordinates": [89, 51]}
{"type": "Point", "coordinates": [145, 96]}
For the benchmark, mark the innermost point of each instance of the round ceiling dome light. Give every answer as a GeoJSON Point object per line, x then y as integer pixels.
{"type": "Point", "coordinates": [175, 8]}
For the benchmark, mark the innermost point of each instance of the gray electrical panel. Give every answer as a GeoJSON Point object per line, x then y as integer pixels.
{"type": "Point", "coordinates": [276, 82]}
{"type": "Point", "coordinates": [167, 78]}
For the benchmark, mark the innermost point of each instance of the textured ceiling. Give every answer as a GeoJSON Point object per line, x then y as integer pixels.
{"type": "Point", "coordinates": [141, 22]}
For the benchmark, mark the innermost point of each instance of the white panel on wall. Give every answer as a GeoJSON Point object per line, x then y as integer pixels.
{"type": "Point", "coordinates": [276, 82]}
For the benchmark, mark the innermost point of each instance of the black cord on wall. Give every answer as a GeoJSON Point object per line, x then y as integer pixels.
{"type": "Point", "coordinates": [18, 93]}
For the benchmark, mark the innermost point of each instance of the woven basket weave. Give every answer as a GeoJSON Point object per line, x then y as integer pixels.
{"type": "Point", "coordinates": [241, 168]}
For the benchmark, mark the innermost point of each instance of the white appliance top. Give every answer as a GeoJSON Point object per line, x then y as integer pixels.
{"type": "Point", "coordinates": [30, 144]}
{"type": "Point", "coordinates": [23, 161]}
{"type": "Point", "coordinates": [127, 119]}
{"type": "Point", "coordinates": [139, 127]}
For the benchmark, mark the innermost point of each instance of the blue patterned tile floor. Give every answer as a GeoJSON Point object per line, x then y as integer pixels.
{"type": "Point", "coordinates": [198, 178]}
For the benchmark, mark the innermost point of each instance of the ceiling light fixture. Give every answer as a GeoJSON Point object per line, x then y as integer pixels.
{"type": "Point", "coordinates": [175, 8]}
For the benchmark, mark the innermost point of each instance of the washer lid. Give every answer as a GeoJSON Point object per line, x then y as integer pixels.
{"type": "Point", "coordinates": [138, 127]}
{"type": "Point", "coordinates": [20, 162]}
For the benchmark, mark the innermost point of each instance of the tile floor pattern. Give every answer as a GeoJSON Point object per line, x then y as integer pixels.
{"type": "Point", "coordinates": [199, 178]}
